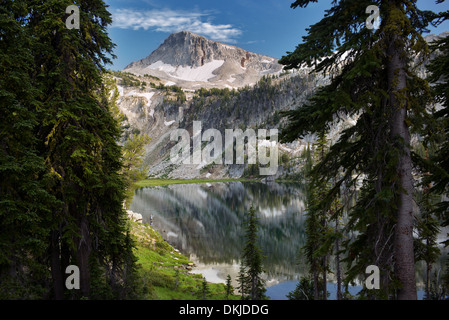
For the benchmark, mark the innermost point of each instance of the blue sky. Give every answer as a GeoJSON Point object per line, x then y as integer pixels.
{"type": "Point", "coordinates": [268, 27]}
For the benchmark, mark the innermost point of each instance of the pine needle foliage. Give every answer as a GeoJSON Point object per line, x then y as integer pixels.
{"type": "Point", "coordinates": [373, 80]}
{"type": "Point", "coordinates": [251, 281]}
{"type": "Point", "coordinates": [62, 189]}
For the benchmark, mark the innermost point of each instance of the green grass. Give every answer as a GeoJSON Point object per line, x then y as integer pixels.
{"type": "Point", "coordinates": [163, 270]}
{"type": "Point", "coordinates": [164, 182]}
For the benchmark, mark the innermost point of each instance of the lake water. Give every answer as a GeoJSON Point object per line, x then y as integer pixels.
{"type": "Point", "coordinates": [205, 222]}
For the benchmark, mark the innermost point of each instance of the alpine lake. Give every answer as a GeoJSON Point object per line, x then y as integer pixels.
{"type": "Point", "coordinates": [205, 222]}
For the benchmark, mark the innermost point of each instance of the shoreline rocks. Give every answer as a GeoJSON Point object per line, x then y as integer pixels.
{"type": "Point", "coordinates": [137, 217]}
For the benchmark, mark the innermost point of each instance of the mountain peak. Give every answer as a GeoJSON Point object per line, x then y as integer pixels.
{"type": "Point", "coordinates": [185, 33]}
{"type": "Point", "coordinates": [189, 34]}
{"type": "Point", "coordinates": [187, 58]}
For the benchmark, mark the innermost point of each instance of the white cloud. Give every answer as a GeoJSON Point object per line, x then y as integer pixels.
{"type": "Point", "coordinates": [174, 21]}
{"type": "Point", "coordinates": [254, 41]}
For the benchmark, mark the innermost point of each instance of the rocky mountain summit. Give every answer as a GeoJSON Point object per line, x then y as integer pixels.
{"type": "Point", "coordinates": [192, 61]}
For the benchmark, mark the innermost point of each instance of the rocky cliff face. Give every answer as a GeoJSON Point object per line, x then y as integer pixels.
{"type": "Point", "coordinates": [210, 78]}
{"type": "Point", "coordinates": [256, 107]}
{"type": "Point", "coordinates": [192, 61]}
{"type": "Point", "coordinates": [156, 112]}
{"type": "Point", "coordinates": [223, 86]}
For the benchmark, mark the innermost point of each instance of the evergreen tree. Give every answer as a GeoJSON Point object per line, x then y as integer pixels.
{"type": "Point", "coordinates": [24, 202]}
{"type": "Point", "coordinates": [204, 291]}
{"type": "Point", "coordinates": [374, 82]}
{"type": "Point", "coordinates": [252, 259]}
{"type": "Point", "coordinates": [426, 245]}
{"type": "Point", "coordinates": [304, 290]}
{"type": "Point", "coordinates": [438, 164]}
{"type": "Point", "coordinates": [316, 224]}
{"type": "Point", "coordinates": [74, 153]}
{"type": "Point", "coordinates": [322, 237]}
{"type": "Point", "coordinates": [242, 280]}
{"type": "Point", "coordinates": [312, 230]}
{"type": "Point", "coordinates": [229, 288]}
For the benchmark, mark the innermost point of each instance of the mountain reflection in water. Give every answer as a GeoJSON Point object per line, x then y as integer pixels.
{"type": "Point", "coordinates": [206, 221]}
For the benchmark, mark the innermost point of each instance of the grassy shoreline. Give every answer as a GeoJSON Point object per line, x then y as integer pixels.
{"type": "Point", "coordinates": [164, 270]}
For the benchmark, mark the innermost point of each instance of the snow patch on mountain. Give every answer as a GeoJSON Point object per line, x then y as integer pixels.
{"type": "Point", "coordinates": [146, 95]}
{"type": "Point", "coordinates": [228, 47]}
{"type": "Point", "coordinates": [187, 73]}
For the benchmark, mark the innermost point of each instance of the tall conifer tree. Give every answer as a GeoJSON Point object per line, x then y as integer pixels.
{"type": "Point", "coordinates": [439, 75]}
{"type": "Point", "coordinates": [438, 164]}
{"type": "Point", "coordinates": [59, 91]}
{"type": "Point", "coordinates": [373, 81]}
{"type": "Point", "coordinates": [315, 248]}
{"type": "Point", "coordinates": [24, 202]}
{"type": "Point", "coordinates": [252, 259]}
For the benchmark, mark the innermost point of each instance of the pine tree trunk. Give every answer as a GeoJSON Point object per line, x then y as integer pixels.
{"type": "Point", "coordinates": [324, 266]}
{"type": "Point", "coordinates": [337, 258]}
{"type": "Point", "coordinates": [56, 274]}
{"type": "Point", "coordinates": [428, 280]}
{"type": "Point", "coordinates": [428, 271]}
{"type": "Point", "coordinates": [315, 285]}
{"type": "Point", "coordinates": [82, 254]}
{"type": "Point", "coordinates": [253, 288]}
{"type": "Point", "coordinates": [325, 278]}
{"type": "Point", "coordinates": [403, 242]}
